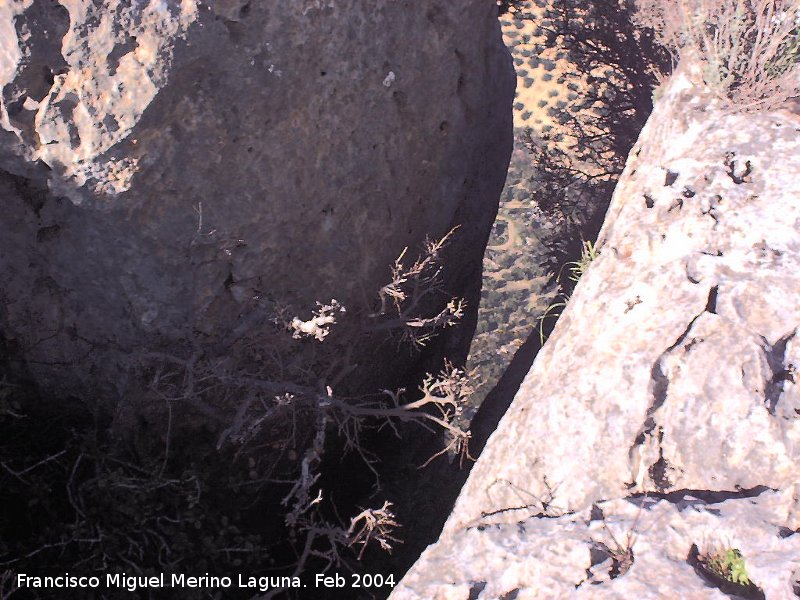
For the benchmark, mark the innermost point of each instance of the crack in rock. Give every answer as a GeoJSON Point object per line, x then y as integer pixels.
{"type": "Point", "coordinates": [660, 469]}
{"type": "Point", "coordinates": [692, 497]}
{"type": "Point", "coordinates": [659, 386]}
{"type": "Point", "coordinates": [781, 372]}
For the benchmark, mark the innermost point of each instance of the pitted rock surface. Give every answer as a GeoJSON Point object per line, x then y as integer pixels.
{"type": "Point", "coordinates": [672, 372]}
{"type": "Point", "coordinates": [168, 167]}
{"type": "Point", "coordinates": [580, 555]}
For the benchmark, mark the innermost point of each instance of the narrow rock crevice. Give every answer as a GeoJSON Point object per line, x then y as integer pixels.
{"type": "Point", "coordinates": [695, 497]}
{"type": "Point", "coordinates": [711, 305]}
{"type": "Point", "coordinates": [659, 382]}
{"type": "Point", "coordinates": [476, 589]}
{"type": "Point", "coordinates": [775, 355]}
{"type": "Point", "coordinates": [659, 387]}
{"type": "Point", "coordinates": [660, 469]}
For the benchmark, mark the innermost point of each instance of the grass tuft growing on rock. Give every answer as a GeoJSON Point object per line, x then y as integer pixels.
{"type": "Point", "coordinates": [728, 563]}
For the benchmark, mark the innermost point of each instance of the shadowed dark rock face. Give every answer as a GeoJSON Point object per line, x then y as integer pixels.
{"type": "Point", "coordinates": [174, 180]}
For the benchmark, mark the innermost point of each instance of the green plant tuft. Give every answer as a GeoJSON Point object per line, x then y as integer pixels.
{"type": "Point", "coordinates": [729, 564]}
{"type": "Point", "coordinates": [578, 267]}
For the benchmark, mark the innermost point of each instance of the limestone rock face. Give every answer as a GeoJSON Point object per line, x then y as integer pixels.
{"type": "Point", "coordinates": [580, 555]}
{"type": "Point", "coordinates": [166, 167]}
{"type": "Point", "coordinates": [671, 376]}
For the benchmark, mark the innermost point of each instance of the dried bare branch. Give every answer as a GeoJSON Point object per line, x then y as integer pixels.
{"type": "Point", "coordinates": [402, 298]}
{"type": "Point", "coordinates": [317, 326]}
{"type": "Point", "coordinates": [373, 524]}
{"type": "Point", "coordinates": [7, 584]}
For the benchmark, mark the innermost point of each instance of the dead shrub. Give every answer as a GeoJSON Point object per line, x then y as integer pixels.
{"type": "Point", "coordinates": [749, 49]}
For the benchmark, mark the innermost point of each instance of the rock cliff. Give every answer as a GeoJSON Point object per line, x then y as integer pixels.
{"type": "Point", "coordinates": [177, 174]}
{"type": "Point", "coordinates": [660, 420]}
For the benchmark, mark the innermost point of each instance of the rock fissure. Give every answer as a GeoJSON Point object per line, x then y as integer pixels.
{"type": "Point", "coordinates": [660, 469]}
{"type": "Point", "coordinates": [781, 371]}
{"type": "Point", "coordinates": [711, 304]}
{"type": "Point", "coordinates": [686, 497]}
{"type": "Point", "coordinates": [659, 381]}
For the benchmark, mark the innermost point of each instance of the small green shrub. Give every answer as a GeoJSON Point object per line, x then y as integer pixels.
{"type": "Point", "coordinates": [553, 312]}
{"type": "Point", "coordinates": [578, 267]}
{"type": "Point", "coordinates": [727, 563]}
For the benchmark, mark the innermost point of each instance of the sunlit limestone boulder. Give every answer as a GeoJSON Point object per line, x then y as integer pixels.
{"type": "Point", "coordinates": [661, 420]}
